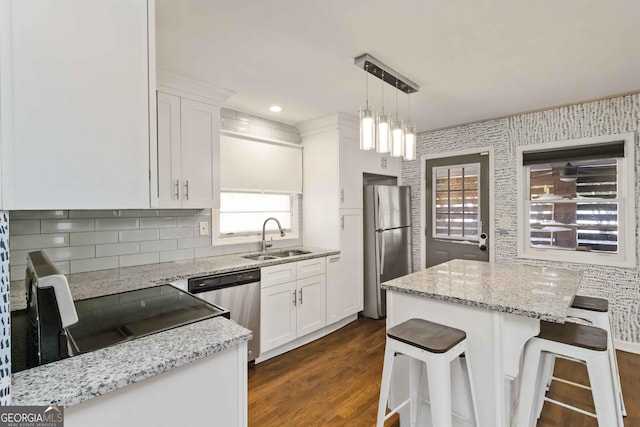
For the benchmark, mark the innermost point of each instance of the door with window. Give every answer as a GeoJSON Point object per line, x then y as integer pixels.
{"type": "Point", "coordinates": [457, 208]}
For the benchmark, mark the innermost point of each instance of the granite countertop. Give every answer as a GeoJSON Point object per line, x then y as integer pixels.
{"type": "Point", "coordinates": [76, 379]}
{"type": "Point", "coordinates": [538, 292]}
{"type": "Point", "coordinates": [105, 282]}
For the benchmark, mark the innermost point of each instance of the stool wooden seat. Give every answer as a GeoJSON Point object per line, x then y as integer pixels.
{"type": "Point", "coordinates": [429, 336]}
{"type": "Point", "coordinates": [436, 346]}
{"type": "Point", "coordinates": [582, 302]}
{"type": "Point", "coordinates": [573, 341]}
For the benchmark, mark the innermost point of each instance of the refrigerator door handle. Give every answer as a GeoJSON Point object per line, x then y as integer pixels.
{"type": "Point", "coordinates": [381, 253]}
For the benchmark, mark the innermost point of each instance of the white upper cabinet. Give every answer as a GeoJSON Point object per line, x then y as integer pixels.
{"type": "Point", "coordinates": [187, 171]}
{"type": "Point", "coordinates": [76, 102]}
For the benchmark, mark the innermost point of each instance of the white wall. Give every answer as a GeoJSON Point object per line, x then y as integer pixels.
{"type": "Point", "coordinates": [616, 115]}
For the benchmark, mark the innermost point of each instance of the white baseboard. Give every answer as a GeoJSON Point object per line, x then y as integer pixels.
{"type": "Point", "coordinates": [629, 347]}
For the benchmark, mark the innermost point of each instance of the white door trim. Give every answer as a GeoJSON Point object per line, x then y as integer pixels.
{"type": "Point", "coordinates": [423, 202]}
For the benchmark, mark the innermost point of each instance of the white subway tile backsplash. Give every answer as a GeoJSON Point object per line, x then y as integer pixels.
{"type": "Point", "coordinates": [159, 245]}
{"type": "Point", "coordinates": [137, 213]}
{"type": "Point", "coordinates": [17, 272]}
{"type": "Point", "coordinates": [139, 259]}
{"type": "Point", "coordinates": [66, 225]}
{"type": "Point", "coordinates": [193, 221]}
{"type": "Point", "coordinates": [18, 257]}
{"type": "Point", "coordinates": [38, 215]}
{"type": "Point", "coordinates": [208, 251]}
{"type": "Point", "coordinates": [286, 136]}
{"type": "Point", "coordinates": [111, 249]}
{"type": "Point", "coordinates": [93, 214]}
{"type": "Point", "coordinates": [38, 241]}
{"type": "Point", "coordinates": [202, 212]}
{"type": "Point", "coordinates": [176, 255]}
{"type": "Point", "coordinates": [160, 222]}
{"type": "Point", "coordinates": [138, 235]}
{"type": "Point", "coordinates": [24, 226]}
{"type": "Point", "coordinates": [106, 224]}
{"type": "Point", "coordinates": [194, 242]}
{"type": "Point", "coordinates": [177, 233]}
{"type": "Point", "coordinates": [93, 264]}
{"type": "Point", "coordinates": [93, 238]}
{"type": "Point", "coordinates": [70, 252]}
{"type": "Point", "coordinates": [175, 212]}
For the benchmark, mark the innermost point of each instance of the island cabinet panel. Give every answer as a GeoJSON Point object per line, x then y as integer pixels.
{"type": "Point", "coordinates": [292, 301]}
{"type": "Point", "coordinates": [76, 104]}
{"type": "Point", "coordinates": [208, 391]}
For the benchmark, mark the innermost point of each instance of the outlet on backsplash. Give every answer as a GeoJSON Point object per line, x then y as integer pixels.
{"type": "Point", "coordinates": [204, 228]}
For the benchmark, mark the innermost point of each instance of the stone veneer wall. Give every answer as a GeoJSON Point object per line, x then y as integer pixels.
{"type": "Point", "coordinates": [89, 240]}
{"type": "Point", "coordinates": [5, 337]}
{"type": "Point", "coordinates": [621, 286]}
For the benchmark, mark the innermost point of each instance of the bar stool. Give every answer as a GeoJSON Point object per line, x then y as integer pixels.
{"type": "Point", "coordinates": [578, 342]}
{"type": "Point", "coordinates": [436, 346]}
{"type": "Point", "coordinates": [595, 312]}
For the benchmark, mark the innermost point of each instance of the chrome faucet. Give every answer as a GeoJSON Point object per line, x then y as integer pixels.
{"type": "Point", "coordinates": [266, 245]}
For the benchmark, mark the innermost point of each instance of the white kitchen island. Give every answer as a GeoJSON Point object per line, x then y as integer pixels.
{"type": "Point", "coordinates": [499, 306]}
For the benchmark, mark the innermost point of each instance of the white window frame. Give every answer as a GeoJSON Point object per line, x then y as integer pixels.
{"type": "Point", "coordinates": [433, 206]}
{"type": "Point", "coordinates": [218, 239]}
{"type": "Point", "coordinates": [626, 256]}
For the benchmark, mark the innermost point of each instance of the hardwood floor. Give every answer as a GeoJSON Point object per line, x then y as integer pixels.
{"type": "Point", "coordinates": [335, 381]}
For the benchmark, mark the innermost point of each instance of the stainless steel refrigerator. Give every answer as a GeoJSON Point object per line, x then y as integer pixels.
{"type": "Point", "coordinates": [387, 242]}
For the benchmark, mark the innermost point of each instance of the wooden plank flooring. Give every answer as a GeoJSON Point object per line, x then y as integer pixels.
{"type": "Point", "coordinates": [335, 381]}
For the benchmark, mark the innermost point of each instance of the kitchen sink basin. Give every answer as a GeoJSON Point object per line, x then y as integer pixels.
{"type": "Point", "coordinates": [259, 257]}
{"type": "Point", "coordinates": [276, 255]}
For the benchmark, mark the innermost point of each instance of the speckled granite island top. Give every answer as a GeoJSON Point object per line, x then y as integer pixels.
{"type": "Point", "coordinates": [538, 292]}
{"type": "Point", "coordinates": [74, 380]}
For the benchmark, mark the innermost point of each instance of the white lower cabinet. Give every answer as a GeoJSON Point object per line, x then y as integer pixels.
{"type": "Point", "coordinates": [294, 308]}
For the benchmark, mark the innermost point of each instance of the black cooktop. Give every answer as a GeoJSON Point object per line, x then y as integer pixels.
{"type": "Point", "coordinates": [112, 319]}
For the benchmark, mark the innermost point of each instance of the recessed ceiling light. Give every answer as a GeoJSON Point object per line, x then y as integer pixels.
{"type": "Point", "coordinates": [275, 108]}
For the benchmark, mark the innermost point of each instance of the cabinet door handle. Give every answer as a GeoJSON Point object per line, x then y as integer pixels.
{"type": "Point", "coordinates": [342, 195]}
{"type": "Point", "coordinates": [342, 222]}
{"type": "Point", "coordinates": [186, 190]}
{"type": "Point", "coordinates": [300, 297]}
{"type": "Point", "coordinates": [336, 259]}
{"type": "Point", "coordinates": [294, 298]}
{"type": "Point", "coordinates": [177, 189]}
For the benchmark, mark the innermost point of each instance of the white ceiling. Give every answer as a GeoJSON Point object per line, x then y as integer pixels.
{"type": "Point", "coordinates": [473, 60]}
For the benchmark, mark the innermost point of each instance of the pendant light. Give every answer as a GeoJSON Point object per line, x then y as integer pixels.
{"type": "Point", "coordinates": [397, 132]}
{"type": "Point", "coordinates": [388, 135]}
{"type": "Point", "coordinates": [409, 136]}
{"type": "Point", "coordinates": [383, 140]}
{"type": "Point", "coordinates": [367, 121]}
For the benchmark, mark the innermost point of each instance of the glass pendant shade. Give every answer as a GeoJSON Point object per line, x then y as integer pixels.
{"type": "Point", "coordinates": [383, 141]}
{"type": "Point", "coordinates": [367, 129]}
{"type": "Point", "coordinates": [397, 138]}
{"type": "Point", "coordinates": [410, 142]}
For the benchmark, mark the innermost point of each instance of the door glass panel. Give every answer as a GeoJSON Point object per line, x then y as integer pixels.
{"type": "Point", "coordinates": [456, 203]}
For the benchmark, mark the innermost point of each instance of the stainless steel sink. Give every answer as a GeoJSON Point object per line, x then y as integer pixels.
{"type": "Point", "coordinates": [276, 255]}
{"type": "Point", "coordinates": [259, 257]}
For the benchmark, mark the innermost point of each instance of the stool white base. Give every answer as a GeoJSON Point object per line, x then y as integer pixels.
{"type": "Point", "coordinates": [534, 380]}
{"type": "Point", "coordinates": [439, 383]}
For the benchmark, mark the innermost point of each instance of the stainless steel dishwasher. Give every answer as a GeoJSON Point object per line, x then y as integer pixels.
{"type": "Point", "coordinates": [239, 293]}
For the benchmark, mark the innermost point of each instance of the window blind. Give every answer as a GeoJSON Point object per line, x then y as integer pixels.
{"type": "Point", "coordinates": [585, 152]}
{"type": "Point", "coordinates": [254, 165]}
